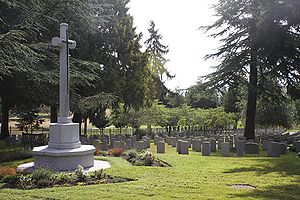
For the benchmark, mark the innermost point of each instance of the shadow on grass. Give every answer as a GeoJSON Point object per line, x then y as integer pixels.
{"type": "Point", "coordinates": [288, 165]}
{"type": "Point", "coordinates": [282, 192]}
{"type": "Point", "coordinates": [285, 165]}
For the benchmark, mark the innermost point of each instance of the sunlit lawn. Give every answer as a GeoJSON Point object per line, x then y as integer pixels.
{"type": "Point", "coordinates": [190, 177]}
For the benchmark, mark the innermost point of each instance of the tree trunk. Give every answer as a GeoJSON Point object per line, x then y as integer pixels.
{"type": "Point", "coordinates": [77, 118]}
{"type": "Point", "coordinates": [5, 119]}
{"type": "Point", "coordinates": [53, 114]}
{"type": "Point", "coordinates": [85, 126]}
{"type": "Point", "coordinates": [251, 104]}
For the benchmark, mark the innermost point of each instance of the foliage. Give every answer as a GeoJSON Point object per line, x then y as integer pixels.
{"type": "Point", "coordinates": [80, 173]}
{"type": "Point", "coordinates": [147, 157]}
{"type": "Point", "coordinates": [107, 59]}
{"type": "Point", "coordinates": [99, 174]}
{"type": "Point", "coordinates": [156, 51]}
{"type": "Point", "coordinates": [42, 177]}
{"type": "Point", "coordinates": [144, 158]}
{"type": "Point", "coordinates": [119, 116]}
{"type": "Point", "coordinates": [272, 113]}
{"type": "Point", "coordinates": [14, 154]}
{"type": "Point", "coordinates": [259, 40]}
{"type": "Point", "coordinates": [132, 154]}
{"type": "Point", "coordinates": [186, 116]}
{"type": "Point", "coordinates": [198, 96]}
{"type": "Point", "coordinates": [62, 178]}
{"type": "Point", "coordinates": [116, 151]}
{"type": "Point", "coordinates": [30, 120]}
{"type": "Point", "coordinates": [7, 171]}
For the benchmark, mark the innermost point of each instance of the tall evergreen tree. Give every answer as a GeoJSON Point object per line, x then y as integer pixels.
{"type": "Point", "coordinates": [156, 52]}
{"type": "Point", "coordinates": [259, 38]}
{"type": "Point", "coordinates": [29, 64]}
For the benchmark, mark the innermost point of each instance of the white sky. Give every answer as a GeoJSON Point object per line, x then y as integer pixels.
{"type": "Point", "coordinates": [178, 22]}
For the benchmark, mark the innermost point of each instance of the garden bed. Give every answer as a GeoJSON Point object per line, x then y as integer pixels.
{"type": "Point", "coordinates": [45, 178]}
{"type": "Point", "coordinates": [144, 158]}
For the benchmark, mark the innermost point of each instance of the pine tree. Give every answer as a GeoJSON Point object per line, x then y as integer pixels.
{"type": "Point", "coordinates": [156, 51]}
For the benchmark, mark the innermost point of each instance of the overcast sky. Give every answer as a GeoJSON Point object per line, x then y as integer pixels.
{"type": "Point", "coordinates": [178, 22]}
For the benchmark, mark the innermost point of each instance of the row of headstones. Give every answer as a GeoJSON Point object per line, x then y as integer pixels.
{"type": "Point", "coordinates": [274, 149]}
{"type": "Point", "coordinates": [211, 133]}
{"type": "Point", "coordinates": [290, 139]}
{"type": "Point", "coordinates": [16, 140]}
{"type": "Point", "coordinates": [131, 142]}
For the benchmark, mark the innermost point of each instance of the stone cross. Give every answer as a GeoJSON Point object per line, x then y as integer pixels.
{"type": "Point", "coordinates": [64, 44]}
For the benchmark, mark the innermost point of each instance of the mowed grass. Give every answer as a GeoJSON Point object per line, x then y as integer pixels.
{"type": "Point", "coordinates": [190, 177]}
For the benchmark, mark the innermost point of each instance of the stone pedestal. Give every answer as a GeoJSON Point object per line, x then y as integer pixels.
{"type": "Point", "coordinates": [64, 151]}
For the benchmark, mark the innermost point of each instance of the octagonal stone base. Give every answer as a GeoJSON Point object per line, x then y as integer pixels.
{"type": "Point", "coordinates": [64, 159]}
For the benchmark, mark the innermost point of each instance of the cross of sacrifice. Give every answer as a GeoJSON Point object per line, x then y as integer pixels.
{"type": "Point", "coordinates": [64, 45]}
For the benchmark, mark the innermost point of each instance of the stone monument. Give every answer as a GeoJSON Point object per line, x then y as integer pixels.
{"type": "Point", "coordinates": [64, 151]}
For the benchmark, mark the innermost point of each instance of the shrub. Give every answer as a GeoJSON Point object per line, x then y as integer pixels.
{"type": "Point", "coordinates": [99, 174]}
{"type": "Point", "coordinates": [26, 182]}
{"type": "Point", "coordinates": [97, 151]}
{"type": "Point", "coordinates": [132, 154]}
{"type": "Point", "coordinates": [10, 179]}
{"type": "Point", "coordinates": [80, 174]}
{"type": "Point", "coordinates": [62, 178]}
{"type": "Point", "coordinates": [7, 171]}
{"type": "Point", "coordinates": [116, 151]}
{"type": "Point", "coordinates": [148, 157]}
{"type": "Point", "coordinates": [42, 177]}
{"type": "Point", "coordinates": [140, 132]}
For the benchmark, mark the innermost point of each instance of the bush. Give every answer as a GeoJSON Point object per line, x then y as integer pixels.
{"type": "Point", "coordinates": [116, 151]}
{"type": "Point", "coordinates": [10, 179]}
{"type": "Point", "coordinates": [14, 155]}
{"type": "Point", "coordinates": [97, 151]}
{"type": "Point", "coordinates": [80, 174]}
{"type": "Point", "coordinates": [7, 171]}
{"type": "Point", "coordinates": [42, 177]}
{"type": "Point", "coordinates": [132, 154]}
{"type": "Point", "coordinates": [140, 133]}
{"type": "Point", "coordinates": [147, 157]}
{"type": "Point", "coordinates": [62, 178]}
{"type": "Point", "coordinates": [26, 182]}
{"type": "Point", "coordinates": [99, 174]}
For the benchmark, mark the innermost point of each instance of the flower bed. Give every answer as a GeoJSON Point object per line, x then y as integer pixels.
{"type": "Point", "coordinates": [145, 158]}
{"type": "Point", "coordinates": [44, 178]}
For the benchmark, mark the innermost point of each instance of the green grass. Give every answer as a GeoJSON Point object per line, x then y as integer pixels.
{"type": "Point", "coordinates": [190, 177]}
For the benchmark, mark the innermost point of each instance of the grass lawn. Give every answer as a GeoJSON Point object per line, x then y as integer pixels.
{"type": "Point", "coordinates": [190, 177]}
